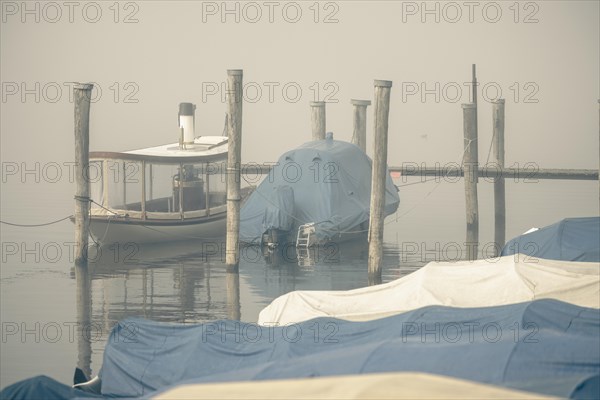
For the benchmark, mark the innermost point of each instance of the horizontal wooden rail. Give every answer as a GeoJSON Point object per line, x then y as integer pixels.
{"type": "Point", "coordinates": [527, 172]}
{"type": "Point", "coordinates": [491, 172]}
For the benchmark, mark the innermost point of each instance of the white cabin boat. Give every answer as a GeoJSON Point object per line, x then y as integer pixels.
{"type": "Point", "coordinates": [164, 193]}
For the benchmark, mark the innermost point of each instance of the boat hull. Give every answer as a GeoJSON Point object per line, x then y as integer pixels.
{"type": "Point", "coordinates": [105, 230]}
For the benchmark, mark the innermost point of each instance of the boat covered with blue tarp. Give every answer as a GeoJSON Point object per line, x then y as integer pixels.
{"type": "Point", "coordinates": [329, 183]}
{"type": "Point", "coordinates": [544, 346]}
{"type": "Point", "coordinates": [571, 239]}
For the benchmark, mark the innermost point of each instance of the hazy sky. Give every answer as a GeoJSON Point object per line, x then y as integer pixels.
{"type": "Point", "coordinates": [147, 56]}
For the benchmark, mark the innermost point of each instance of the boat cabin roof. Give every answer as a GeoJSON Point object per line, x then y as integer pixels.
{"type": "Point", "coordinates": [204, 149]}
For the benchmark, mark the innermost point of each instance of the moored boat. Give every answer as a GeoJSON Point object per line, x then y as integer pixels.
{"type": "Point", "coordinates": [170, 192]}
{"type": "Point", "coordinates": [315, 194]}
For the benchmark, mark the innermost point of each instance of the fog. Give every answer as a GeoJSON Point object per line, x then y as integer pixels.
{"type": "Point", "coordinates": [147, 56]}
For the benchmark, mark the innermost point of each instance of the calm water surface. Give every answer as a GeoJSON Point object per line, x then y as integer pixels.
{"type": "Point", "coordinates": [44, 298]}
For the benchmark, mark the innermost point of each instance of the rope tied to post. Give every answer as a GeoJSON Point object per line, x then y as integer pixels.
{"type": "Point", "coordinates": [36, 225]}
{"type": "Point", "coordinates": [83, 198]}
{"type": "Point", "coordinates": [78, 198]}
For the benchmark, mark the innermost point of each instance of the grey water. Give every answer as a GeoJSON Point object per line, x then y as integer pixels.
{"type": "Point", "coordinates": [45, 300]}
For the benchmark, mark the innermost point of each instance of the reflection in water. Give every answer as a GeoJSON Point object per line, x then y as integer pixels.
{"type": "Point", "coordinates": [233, 296]}
{"type": "Point", "coordinates": [84, 311]}
{"type": "Point", "coordinates": [162, 282]}
{"type": "Point", "coordinates": [327, 254]}
{"type": "Point", "coordinates": [187, 282]}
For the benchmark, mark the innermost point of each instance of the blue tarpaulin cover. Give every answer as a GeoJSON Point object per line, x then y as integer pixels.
{"type": "Point", "coordinates": [545, 346]}
{"type": "Point", "coordinates": [42, 387]}
{"type": "Point", "coordinates": [331, 182]}
{"type": "Point", "coordinates": [572, 239]}
{"type": "Point", "coordinates": [279, 209]}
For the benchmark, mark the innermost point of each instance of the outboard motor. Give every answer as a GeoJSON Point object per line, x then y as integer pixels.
{"type": "Point", "coordinates": [278, 218]}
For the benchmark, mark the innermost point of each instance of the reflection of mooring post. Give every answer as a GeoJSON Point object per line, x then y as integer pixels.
{"type": "Point", "coordinates": [499, 187]}
{"type": "Point", "coordinates": [82, 95]}
{"type": "Point", "coordinates": [234, 131]}
{"type": "Point", "coordinates": [233, 295]}
{"type": "Point", "coordinates": [84, 311]}
{"type": "Point", "coordinates": [470, 165]}
{"type": "Point", "coordinates": [359, 134]}
{"type": "Point", "coordinates": [474, 85]}
{"type": "Point", "coordinates": [378, 179]}
{"type": "Point", "coordinates": [317, 119]}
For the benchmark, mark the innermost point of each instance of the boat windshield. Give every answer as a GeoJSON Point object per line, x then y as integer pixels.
{"type": "Point", "coordinates": [157, 190]}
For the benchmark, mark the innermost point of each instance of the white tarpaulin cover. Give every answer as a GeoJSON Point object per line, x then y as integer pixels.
{"type": "Point", "coordinates": [482, 283]}
{"type": "Point", "coordinates": [402, 385]}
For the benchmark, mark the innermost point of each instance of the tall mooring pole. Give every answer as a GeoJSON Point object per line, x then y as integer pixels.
{"type": "Point", "coordinates": [378, 179]}
{"type": "Point", "coordinates": [234, 158]}
{"type": "Point", "coordinates": [82, 95]}
{"type": "Point", "coordinates": [470, 166]}
{"type": "Point", "coordinates": [499, 184]}
{"type": "Point", "coordinates": [317, 119]}
{"type": "Point", "coordinates": [359, 134]}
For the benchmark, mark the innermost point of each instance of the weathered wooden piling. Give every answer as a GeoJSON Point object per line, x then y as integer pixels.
{"type": "Point", "coordinates": [359, 134]}
{"type": "Point", "coordinates": [378, 179]}
{"type": "Point", "coordinates": [474, 94]}
{"type": "Point", "coordinates": [470, 166]}
{"type": "Point", "coordinates": [499, 184]}
{"type": "Point", "coordinates": [317, 119]}
{"type": "Point", "coordinates": [234, 158]}
{"type": "Point", "coordinates": [82, 95]}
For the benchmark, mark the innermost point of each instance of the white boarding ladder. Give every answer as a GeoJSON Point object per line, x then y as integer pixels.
{"type": "Point", "coordinates": [304, 233]}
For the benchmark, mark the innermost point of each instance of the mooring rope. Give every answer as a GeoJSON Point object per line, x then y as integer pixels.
{"type": "Point", "coordinates": [78, 198]}
{"type": "Point", "coordinates": [491, 144]}
{"type": "Point", "coordinates": [36, 225]}
{"type": "Point", "coordinates": [416, 183]}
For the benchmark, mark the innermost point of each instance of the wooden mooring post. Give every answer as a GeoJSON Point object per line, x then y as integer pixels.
{"type": "Point", "coordinates": [359, 118]}
{"type": "Point", "coordinates": [234, 156]}
{"type": "Point", "coordinates": [378, 179]}
{"type": "Point", "coordinates": [470, 166]}
{"type": "Point", "coordinates": [499, 184]}
{"type": "Point", "coordinates": [318, 119]}
{"type": "Point", "coordinates": [82, 95]}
